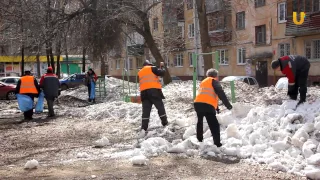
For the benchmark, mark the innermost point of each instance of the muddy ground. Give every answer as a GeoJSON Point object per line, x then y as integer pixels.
{"type": "Point", "coordinates": [56, 143]}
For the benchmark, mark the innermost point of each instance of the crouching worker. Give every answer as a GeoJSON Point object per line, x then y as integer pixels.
{"type": "Point", "coordinates": [28, 85]}
{"type": "Point", "coordinates": [206, 105]}
{"type": "Point", "coordinates": [50, 84]}
{"type": "Point", "coordinates": [151, 94]}
{"type": "Point", "coordinates": [296, 68]}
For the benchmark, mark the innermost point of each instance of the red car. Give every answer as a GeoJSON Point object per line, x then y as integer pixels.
{"type": "Point", "coordinates": [7, 91]}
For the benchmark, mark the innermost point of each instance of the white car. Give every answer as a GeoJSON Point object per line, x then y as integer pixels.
{"type": "Point", "coordinates": [246, 79]}
{"type": "Point", "coordinates": [10, 80]}
{"type": "Point", "coordinates": [282, 83]}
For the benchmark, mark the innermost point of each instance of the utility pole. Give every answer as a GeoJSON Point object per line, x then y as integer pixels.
{"type": "Point", "coordinates": [197, 37]}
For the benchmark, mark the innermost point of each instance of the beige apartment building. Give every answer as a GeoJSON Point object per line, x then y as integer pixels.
{"type": "Point", "coordinates": [246, 35]}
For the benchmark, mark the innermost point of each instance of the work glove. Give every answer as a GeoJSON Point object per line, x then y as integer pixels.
{"type": "Point", "coordinates": [218, 111]}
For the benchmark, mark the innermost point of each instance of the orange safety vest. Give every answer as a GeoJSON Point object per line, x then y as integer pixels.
{"type": "Point", "coordinates": [147, 79]}
{"type": "Point", "coordinates": [27, 85]}
{"type": "Point", "coordinates": [206, 93]}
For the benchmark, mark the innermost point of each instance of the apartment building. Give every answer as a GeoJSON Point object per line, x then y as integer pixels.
{"type": "Point", "coordinates": [246, 35]}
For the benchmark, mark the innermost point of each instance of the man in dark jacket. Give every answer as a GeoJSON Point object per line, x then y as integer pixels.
{"type": "Point", "coordinates": [296, 68]}
{"type": "Point", "coordinates": [28, 85]}
{"type": "Point", "coordinates": [206, 105]}
{"type": "Point", "coordinates": [50, 84]}
{"type": "Point", "coordinates": [151, 94]}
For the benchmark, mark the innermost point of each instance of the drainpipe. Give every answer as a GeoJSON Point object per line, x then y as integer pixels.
{"type": "Point", "coordinates": [196, 36]}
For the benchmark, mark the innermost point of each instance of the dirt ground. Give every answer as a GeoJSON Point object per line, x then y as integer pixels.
{"type": "Point", "coordinates": [55, 143]}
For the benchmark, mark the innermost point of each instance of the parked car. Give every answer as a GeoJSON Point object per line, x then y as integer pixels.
{"type": "Point", "coordinates": [72, 81]}
{"type": "Point", "coordinates": [282, 83]}
{"type": "Point", "coordinates": [246, 79]}
{"type": "Point", "coordinates": [175, 79]}
{"type": "Point", "coordinates": [10, 80]}
{"type": "Point", "coordinates": [7, 91]}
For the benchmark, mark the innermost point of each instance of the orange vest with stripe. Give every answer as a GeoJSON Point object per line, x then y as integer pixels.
{"type": "Point", "coordinates": [27, 85]}
{"type": "Point", "coordinates": [147, 79]}
{"type": "Point", "coordinates": [206, 93]}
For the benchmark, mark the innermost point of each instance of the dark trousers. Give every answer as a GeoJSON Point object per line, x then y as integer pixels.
{"type": "Point", "coordinates": [213, 125]}
{"type": "Point", "coordinates": [300, 85]}
{"type": "Point", "coordinates": [50, 102]}
{"type": "Point", "coordinates": [28, 114]}
{"type": "Point", "coordinates": [146, 110]}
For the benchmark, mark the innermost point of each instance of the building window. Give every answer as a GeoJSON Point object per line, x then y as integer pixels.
{"type": "Point", "coordinates": [110, 65]}
{"type": "Point", "coordinates": [216, 23]}
{"type": "Point", "coordinates": [303, 5]}
{"type": "Point", "coordinates": [178, 60]}
{"type": "Point", "coordinates": [259, 3]}
{"type": "Point", "coordinates": [282, 12]}
{"type": "Point", "coordinates": [284, 49]}
{"type": "Point", "coordinates": [118, 64]}
{"type": "Point", "coordinates": [261, 34]}
{"type": "Point", "coordinates": [241, 19]}
{"type": "Point", "coordinates": [316, 5]}
{"type": "Point", "coordinates": [191, 30]}
{"type": "Point", "coordinates": [190, 59]}
{"type": "Point", "coordinates": [241, 56]}
{"type": "Point", "coordinates": [213, 5]}
{"type": "Point", "coordinates": [312, 49]}
{"type": "Point", "coordinates": [181, 29]}
{"type": "Point", "coordinates": [223, 56]}
{"type": "Point", "coordinates": [130, 63]}
{"type": "Point", "coordinates": [167, 63]}
{"type": "Point", "coordinates": [155, 24]}
{"type": "Point", "coordinates": [139, 62]}
{"type": "Point", "coordinates": [189, 4]}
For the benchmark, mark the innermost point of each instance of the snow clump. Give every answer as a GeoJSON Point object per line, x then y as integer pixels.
{"type": "Point", "coordinates": [32, 164]}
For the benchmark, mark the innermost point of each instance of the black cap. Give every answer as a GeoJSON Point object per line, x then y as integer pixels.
{"type": "Point", "coordinates": [147, 62]}
{"type": "Point", "coordinates": [275, 64]}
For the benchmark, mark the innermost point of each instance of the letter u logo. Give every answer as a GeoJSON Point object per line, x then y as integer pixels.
{"type": "Point", "coordinates": [295, 20]}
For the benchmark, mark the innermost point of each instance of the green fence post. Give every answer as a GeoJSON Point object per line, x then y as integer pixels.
{"type": "Point", "coordinates": [217, 60]}
{"type": "Point", "coordinates": [124, 97]}
{"type": "Point", "coordinates": [233, 94]}
{"type": "Point", "coordinates": [100, 88]}
{"type": "Point", "coordinates": [104, 86]}
{"type": "Point", "coordinates": [194, 62]}
{"type": "Point", "coordinates": [136, 85]}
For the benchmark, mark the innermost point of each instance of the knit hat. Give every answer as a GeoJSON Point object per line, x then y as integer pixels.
{"type": "Point", "coordinates": [275, 64]}
{"type": "Point", "coordinates": [49, 70]}
{"type": "Point", "coordinates": [147, 62]}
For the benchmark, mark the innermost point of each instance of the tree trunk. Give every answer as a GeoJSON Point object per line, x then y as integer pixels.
{"type": "Point", "coordinates": [84, 60]}
{"type": "Point", "coordinates": [38, 64]}
{"type": "Point", "coordinates": [154, 49]}
{"type": "Point", "coordinates": [48, 54]}
{"type": "Point", "coordinates": [58, 50]}
{"type": "Point", "coordinates": [52, 59]}
{"type": "Point", "coordinates": [67, 54]}
{"type": "Point", "coordinates": [204, 34]}
{"type": "Point", "coordinates": [22, 60]}
{"type": "Point", "coordinates": [103, 66]}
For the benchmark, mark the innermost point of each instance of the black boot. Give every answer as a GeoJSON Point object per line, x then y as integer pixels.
{"type": "Point", "coordinates": [164, 121]}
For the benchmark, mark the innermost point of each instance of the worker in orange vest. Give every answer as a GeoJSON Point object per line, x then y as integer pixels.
{"type": "Point", "coordinates": [28, 85]}
{"type": "Point", "coordinates": [206, 105]}
{"type": "Point", "coordinates": [151, 94]}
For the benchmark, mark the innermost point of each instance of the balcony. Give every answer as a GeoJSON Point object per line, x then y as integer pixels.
{"type": "Point", "coordinates": [220, 37]}
{"type": "Point", "coordinates": [310, 26]}
{"type": "Point", "coordinates": [136, 50]}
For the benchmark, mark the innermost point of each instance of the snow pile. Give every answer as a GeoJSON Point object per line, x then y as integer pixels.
{"type": "Point", "coordinates": [102, 142]}
{"type": "Point", "coordinates": [139, 160]}
{"type": "Point", "coordinates": [32, 164]}
{"type": "Point", "coordinates": [263, 126]}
